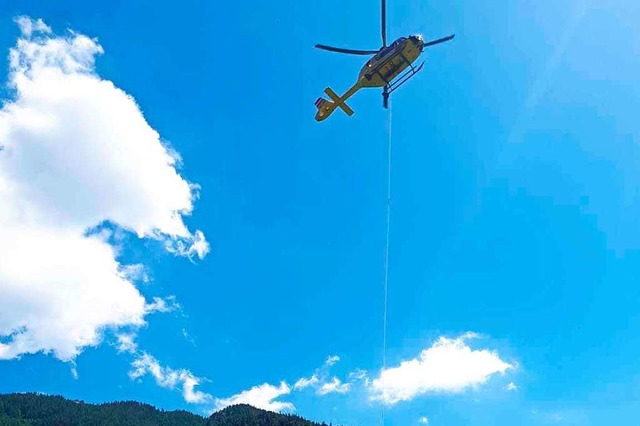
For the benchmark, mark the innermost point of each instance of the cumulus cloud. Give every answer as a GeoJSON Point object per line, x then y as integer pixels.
{"type": "Point", "coordinates": [264, 396]}
{"type": "Point", "coordinates": [449, 365]}
{"type": "Point", "coordinates": [512, 387]}
{"type": "Point", "coordinates": [423, 420]}
{"type": "Point", "coordinates": [76, 153]}
{"type": "Point", "coordinates": [334, 386]}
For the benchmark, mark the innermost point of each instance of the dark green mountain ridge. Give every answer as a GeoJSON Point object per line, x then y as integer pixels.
{"type": "Point", "coordinates": [32, 409]}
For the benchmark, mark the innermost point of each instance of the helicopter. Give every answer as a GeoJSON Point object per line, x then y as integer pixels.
{"type": "Point", "coordinates": [382, 70]}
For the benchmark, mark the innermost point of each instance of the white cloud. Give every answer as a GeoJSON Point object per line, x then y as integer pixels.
{"type": "Point", "coordinates": [512, 387]}
{"type": "Point", "coordinates": [358, 375]}
{"type": "Point", "coordinates": [423, 420]}
{"type": "Point", "coordinates": [76, 153]}
{"type": "Point", "coordinates": [319, 379]}
{"type": "Point", "coordinates": [188, 337]}
{"type": "Point", "coordinates": [450, 365]}
{"type": "Point", "coordinates": [58, 290]}
{"type": "Point", "coordinates": [305, 382]}
{"type": "Point", "coordinates": [74, 371]}
{"type": "Point", "coordinates": [191, 246]}
{"type": "Point", "coordinates": [127, 343]}
{"type": "Point", "coordinates": [134, 273]}
{"type": "Point", "coordinates": [332, 360]}
{"type": "Point", "coordinates": [263, 396]}
{"type": "Point", "coordinates": [162, 305]}
{"type": "Point", "coordinates": [169, 378]}
{"type": "Point", "coordinates": [28, 26]}
{"type": "Point", "coordinates": [334, 386]}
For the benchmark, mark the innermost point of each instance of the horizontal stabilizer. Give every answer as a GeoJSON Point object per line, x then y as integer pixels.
{"type": "Point", "coordinates": [326, 107]}
{"type": "Point", "coordinates": [338, 101]}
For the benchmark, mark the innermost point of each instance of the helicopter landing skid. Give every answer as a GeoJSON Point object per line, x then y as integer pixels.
{"type": "Point", "coordinates": [395, 84]}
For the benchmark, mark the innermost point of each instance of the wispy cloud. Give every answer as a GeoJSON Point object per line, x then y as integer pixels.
{"type": "Point", "coordinates": [127, 343]}
{"type": "Point", "coordinates": [358, 375]}
{"type": "Point", "coordinates": [28, 26]}
{"type": "Point", "coordinates": [449, 365]}
{"type": "Point", "coordinates": [305, 382]}
{"type": "Point", "coordinates": [332, 360]}
{"type": "Point", "coordinates": [167, 377]}
{"type": "Point", "coordinates": [263, 396]}
{"type": "Point", "coordinates": [188, 337]}
{"type": "Point", "coordinates": [323, 384]}
{"type": "Point", "coordinates": [334, 386]}
{"type": "Point", "coordinates": [165, 305]}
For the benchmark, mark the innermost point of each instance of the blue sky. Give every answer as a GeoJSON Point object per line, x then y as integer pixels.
{"type": "Point", "coordinates": [514, 203]}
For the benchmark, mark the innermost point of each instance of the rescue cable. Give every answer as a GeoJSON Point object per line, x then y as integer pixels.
{"type": "Point", "coordinates": [386, 256]}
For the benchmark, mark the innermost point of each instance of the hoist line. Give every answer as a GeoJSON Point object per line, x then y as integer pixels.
{"type": "Point", "coordinates": [386, 256]}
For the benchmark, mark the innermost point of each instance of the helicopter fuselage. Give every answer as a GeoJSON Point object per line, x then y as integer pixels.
{"type": "Point", "coordinates": [390, 61]}
{"type": "Point", "coordinates": [384, 69]}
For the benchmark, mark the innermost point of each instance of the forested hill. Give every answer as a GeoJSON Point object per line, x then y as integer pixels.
{"type": "Point", "coordinates": [43, 410]}
{"type": "Point", "coordinates": [241, 415]}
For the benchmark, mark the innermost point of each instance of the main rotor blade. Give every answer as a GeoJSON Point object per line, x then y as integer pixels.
{"type": "Point", "coordinates": [348, 51]}
{"type": "Point", "coordinates": [438, 41]}
{"type": "Point", "coordinates": [384, 23]}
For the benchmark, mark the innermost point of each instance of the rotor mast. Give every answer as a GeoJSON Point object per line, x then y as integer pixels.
{"type": "Point", "coordinates": [383, 28]}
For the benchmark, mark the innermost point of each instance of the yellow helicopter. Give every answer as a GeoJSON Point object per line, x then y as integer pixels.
{"type": "Point", "coordinates": [382, 70]}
